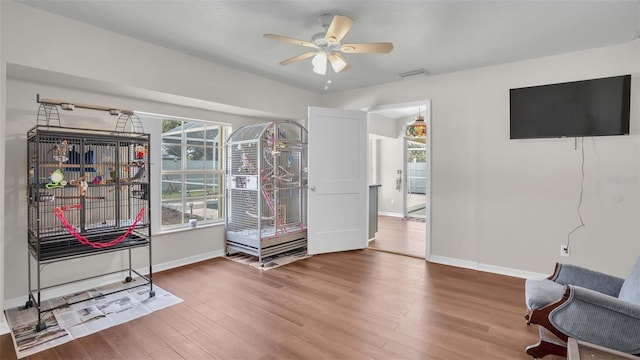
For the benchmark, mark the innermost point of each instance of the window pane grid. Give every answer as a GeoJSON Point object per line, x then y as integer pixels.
{"type": "Point", "coordinates": [192, 173]}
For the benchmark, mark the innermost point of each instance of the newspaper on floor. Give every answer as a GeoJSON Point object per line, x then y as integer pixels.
{"type": "Point", "coordinates": [82, 314]}
{"type": "Point", "coordinates": [128, 313]}
{"type": "Point", "coordinates": [26, 339]}
{"type": "Point", "coordinates": [89, 327]}
{"type": "Point", "coordinates": [161, 300]}
{"type": "Point", "coordinates": [116, 303]}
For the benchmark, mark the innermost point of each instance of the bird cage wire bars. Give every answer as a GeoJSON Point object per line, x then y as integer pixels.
{"type": "Point", "coordinates": [266, 181]}
{"type": "Point", "coordinates": [88, 194]}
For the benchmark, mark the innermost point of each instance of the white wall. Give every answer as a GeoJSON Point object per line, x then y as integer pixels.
{"type": "Point", "coordinates": [500, 203]}
{"type": "Point", "coordinates": [388, 161]}
{"type": "Point", "coordinates": [381, 125]}
{"type": "Point", "coordinates": [390, 200]}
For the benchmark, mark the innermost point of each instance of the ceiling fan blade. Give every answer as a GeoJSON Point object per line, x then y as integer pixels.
{"type": "Point", "coordinates": [338, 63]}
{"type": "Point", "coordinates": [290, 40]}
{"type": "Point", "coordinates": [298, 58]}
{"type": "Point", "coordinates": [339, 27]}
{"type": "Point", "coordinates": [366, 48]}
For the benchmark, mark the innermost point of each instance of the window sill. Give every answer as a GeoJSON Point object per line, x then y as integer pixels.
{"type": "Point", "coordinates": [187, 228]}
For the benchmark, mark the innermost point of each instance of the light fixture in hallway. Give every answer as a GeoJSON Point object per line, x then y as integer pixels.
{"type": "Point", "coordinates": [417, 130]}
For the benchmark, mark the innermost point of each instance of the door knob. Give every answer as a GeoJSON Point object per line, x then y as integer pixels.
{"type": "Point", "coordinates": [313, 188]}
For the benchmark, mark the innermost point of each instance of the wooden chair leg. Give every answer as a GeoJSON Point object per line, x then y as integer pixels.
{"type": "Point", "coordinates": [544, 348]}
{"type": "Point", "coordinates": [547, 345]}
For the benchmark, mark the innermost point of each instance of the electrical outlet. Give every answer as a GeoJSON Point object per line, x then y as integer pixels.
{"type": "Point", "coordinates": [564, 250]}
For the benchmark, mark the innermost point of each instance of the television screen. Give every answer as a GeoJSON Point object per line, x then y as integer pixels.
{"type": "Point", "coordinates": [594, 107]}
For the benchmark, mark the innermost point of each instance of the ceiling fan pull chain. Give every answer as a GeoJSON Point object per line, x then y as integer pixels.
{"type": "Point", "coordinates": [326, 85]}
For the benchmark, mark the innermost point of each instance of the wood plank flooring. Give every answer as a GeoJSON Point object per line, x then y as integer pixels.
{"type": "Point", "coordinates": [353, 305]}
{"type": "Point", "coordinates": [407, 237]}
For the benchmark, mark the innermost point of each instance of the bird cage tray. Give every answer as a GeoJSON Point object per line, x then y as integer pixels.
{"type": "Point", "coordinates": [250, 237]}
{"type": "Point", "coordinates": [268, 246]}
{"type": "Point", "coordinates": [66, 245]}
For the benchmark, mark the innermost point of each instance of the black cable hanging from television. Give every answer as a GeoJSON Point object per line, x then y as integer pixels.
{"type": "Point", "coordinates": [582, 224]}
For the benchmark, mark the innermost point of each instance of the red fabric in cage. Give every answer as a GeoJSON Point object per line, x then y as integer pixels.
{"type": "Point", "coordinates": [59, 212]}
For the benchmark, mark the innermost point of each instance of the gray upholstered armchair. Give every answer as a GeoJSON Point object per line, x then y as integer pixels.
{"type": "Point", "coordinates": [585, 305]}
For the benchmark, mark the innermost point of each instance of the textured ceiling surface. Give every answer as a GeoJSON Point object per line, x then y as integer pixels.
{"type": "Point", "coordinates": [438, 36]}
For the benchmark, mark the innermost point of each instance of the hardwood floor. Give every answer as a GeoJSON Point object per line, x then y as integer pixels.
{"type": "Point", "coordinates": [400, 236]}
{"type": "Point", "coordinates": [353, 305]}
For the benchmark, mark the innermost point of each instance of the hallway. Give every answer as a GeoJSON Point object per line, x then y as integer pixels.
{"type": "Point", "coordinates": [397, 235]}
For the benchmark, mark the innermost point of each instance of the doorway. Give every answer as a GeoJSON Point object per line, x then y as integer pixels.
{"type": "Point", "coordinates": [402, 169]}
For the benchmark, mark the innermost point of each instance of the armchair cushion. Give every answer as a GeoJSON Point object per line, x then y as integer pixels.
{"type": "Point", "coordinates": [575, 275]}
{"type": "Point", "coordinates": [598, 318]}
{"type": "Point", "coordinates": [630, 290]}
{"type": "Point", "coordinates": [540, 293]}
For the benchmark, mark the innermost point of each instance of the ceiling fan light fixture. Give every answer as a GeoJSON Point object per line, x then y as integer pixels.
{"type": "Point", "coordinates": [320, 63]}
{"type": "Point", "coordinates": [337, 62]}
{"type": "Point", "coordinates": [329, 47]}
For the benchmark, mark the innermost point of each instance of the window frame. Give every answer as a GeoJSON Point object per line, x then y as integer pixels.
{"type": "Point", "coordinates": [211, 177]}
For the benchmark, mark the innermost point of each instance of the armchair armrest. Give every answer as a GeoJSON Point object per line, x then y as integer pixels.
{"type": "Point", "coordinates": [598, 318]}
{"type": "Point", "coordinates": [589, 279]}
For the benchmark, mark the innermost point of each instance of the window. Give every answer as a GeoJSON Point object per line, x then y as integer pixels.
{"type": "Point", "coordinates": [416, 168]}
{"type": "Point", "coordinates": [192, 172]}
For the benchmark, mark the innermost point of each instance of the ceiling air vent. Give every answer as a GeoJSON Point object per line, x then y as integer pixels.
{"type": "Point", "coordinates": [414, 73]}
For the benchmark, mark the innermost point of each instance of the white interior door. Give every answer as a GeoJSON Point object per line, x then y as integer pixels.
{"type": "Point", "coordinates": [338, 186]}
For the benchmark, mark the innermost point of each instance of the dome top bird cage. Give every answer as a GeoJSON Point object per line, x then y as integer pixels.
{"type": "Point", "coordinates": [266, 180]}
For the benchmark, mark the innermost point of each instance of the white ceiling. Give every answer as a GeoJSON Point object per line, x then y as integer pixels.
{"type": "Point", "coordinates": [439, 36]}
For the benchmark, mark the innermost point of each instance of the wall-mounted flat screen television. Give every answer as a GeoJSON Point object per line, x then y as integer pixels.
{"type": "Point", "coordinates": [596, 107]}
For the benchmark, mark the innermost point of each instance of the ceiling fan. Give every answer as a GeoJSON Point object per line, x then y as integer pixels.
{"type": "Point", "coordinates": [328, 45]}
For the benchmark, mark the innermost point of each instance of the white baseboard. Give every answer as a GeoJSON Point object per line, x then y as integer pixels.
{"type": "Point", "coordinates": [393, 214]}
{"type": "Point", "coordinates": [188, 261]}
{"type": "Point", "coordinates": [453, 262]}
{"type": "Point", "coordinates": [4, 326]}
{"type": "Point", "coordinates": [467, 264]}
{"type": "Point", "coordinates": [84, 285]}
